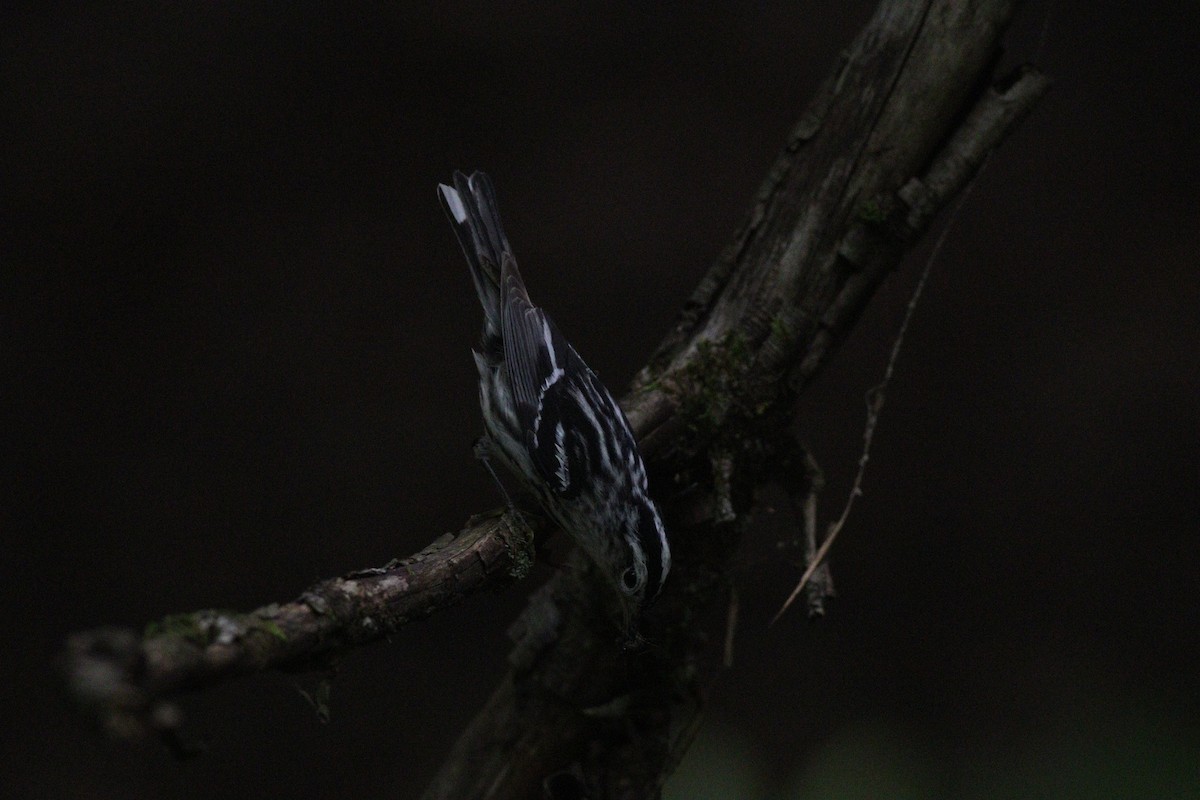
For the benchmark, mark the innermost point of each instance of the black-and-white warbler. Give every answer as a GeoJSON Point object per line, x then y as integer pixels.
{"type": "Point", "coordinates": [548, 417]}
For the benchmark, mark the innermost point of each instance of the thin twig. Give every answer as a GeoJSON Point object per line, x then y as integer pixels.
{"type": "Point", "coordinates": [731, 622]}
{"type": "Point", "coordinates": [875, 398]}
{"type": "Point", "coordinates": [820, 587]}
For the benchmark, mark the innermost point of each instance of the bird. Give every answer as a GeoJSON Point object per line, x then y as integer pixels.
{"type": "Point", "coordinates": [547, 417]}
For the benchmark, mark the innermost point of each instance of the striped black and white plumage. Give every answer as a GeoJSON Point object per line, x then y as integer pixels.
{"type": "Point", "coordinates": [549, 418]}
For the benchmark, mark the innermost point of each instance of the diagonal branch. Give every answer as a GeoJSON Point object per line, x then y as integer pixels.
{"type": "Point", "coordinates": [901, 125]}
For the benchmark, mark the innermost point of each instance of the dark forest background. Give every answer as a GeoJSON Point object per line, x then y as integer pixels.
{"type": "Point", "coordinates": [236, 335]}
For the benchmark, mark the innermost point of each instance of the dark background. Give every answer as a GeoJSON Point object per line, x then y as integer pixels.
{"type": "Point", "coordinates": [236, 354]}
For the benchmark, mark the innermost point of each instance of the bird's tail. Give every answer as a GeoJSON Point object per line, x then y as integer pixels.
{"type": "Point", "coordinates": [471, 205]}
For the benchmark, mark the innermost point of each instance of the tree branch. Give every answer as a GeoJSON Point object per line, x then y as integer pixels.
{"type": "Point", "coordinates": [125, 680]}
{"type": "Point", "coordinates": [901, 125]}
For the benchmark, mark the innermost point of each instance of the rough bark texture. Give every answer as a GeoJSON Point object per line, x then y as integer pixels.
{"type": "Point", "coordinates": [902, 124]}
{"type": "Point", "coordinates": [124, 679]}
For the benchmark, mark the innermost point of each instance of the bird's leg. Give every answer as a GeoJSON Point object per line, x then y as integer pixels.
{"type": "Point", "coordinates": [483, 451]}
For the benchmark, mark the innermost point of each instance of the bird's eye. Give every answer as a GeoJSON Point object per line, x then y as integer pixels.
{"type": "Point", "coordinates": [629, 580]}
